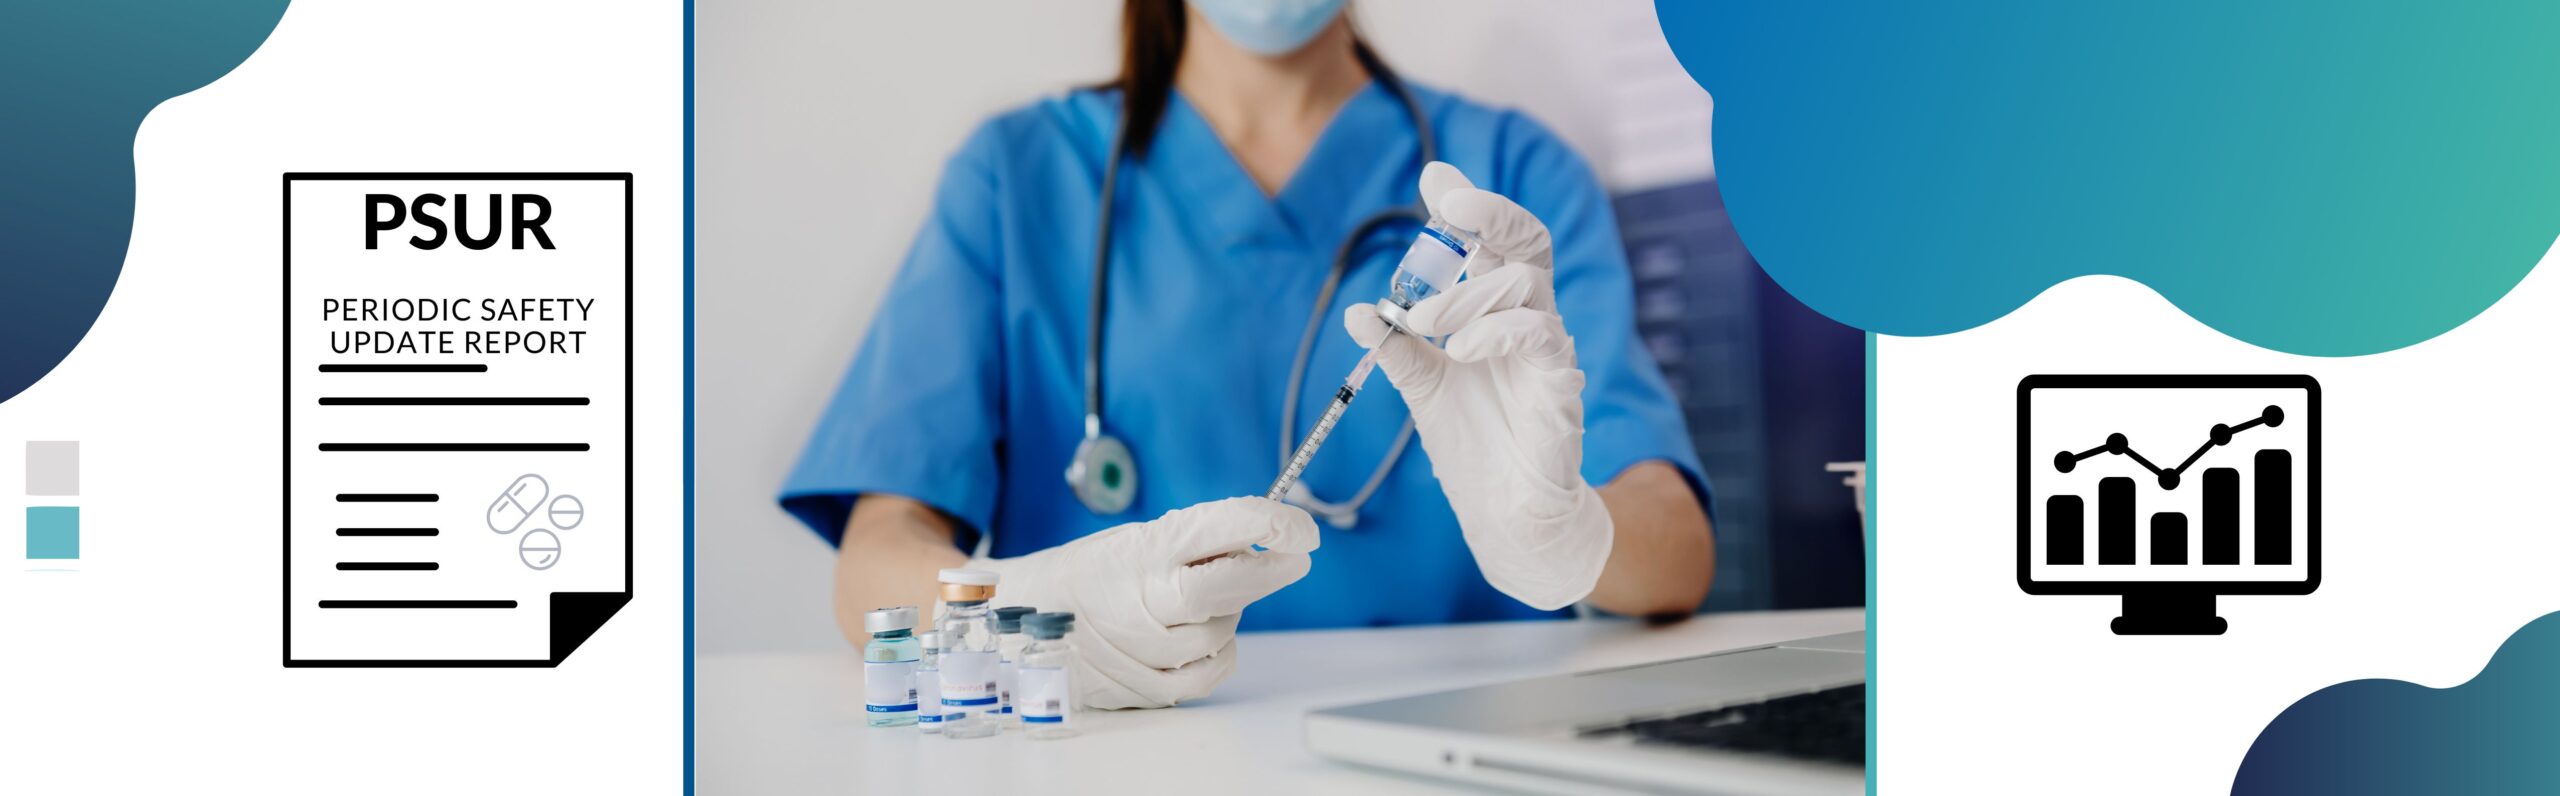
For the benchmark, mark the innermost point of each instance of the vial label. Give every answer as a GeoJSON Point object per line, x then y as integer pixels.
{"type": "Point", "coordinates": [1004, 687]}
{"type": "Point", "coordinates": [889, 687]}
{"type": "Point", "coordinates": [1041, 695]}
{"type": "Point", "coordinates": [928, 696]}
{"type": "Point", "coordinates": [968, 679]}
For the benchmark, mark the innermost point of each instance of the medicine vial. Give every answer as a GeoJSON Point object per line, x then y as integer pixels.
{"type": "Point", "coordinates": [969, 660]}
{"type": "Point", "coordinates": [1009, 643]}
{"type": "Point", "coordinates": [928, 682]}
{"type": "Point", "coordinates": [889, 666]}
{"type": "Point", "coordinates": [1045, 693]}
{"type": "Point", "coordinates": [1433, 264]}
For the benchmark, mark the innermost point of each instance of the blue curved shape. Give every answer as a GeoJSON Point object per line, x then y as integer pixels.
{"type": "Point", "coordinates": [2494, 734]}
{"type": "Point", "coordinates": [76, 79]}
{"type": "Point", "coordinates": [2313, 177]}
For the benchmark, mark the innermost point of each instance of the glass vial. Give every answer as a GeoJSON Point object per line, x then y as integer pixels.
{"type": "Point", "coordinates": [928, 681]}
{"type": "Point", "coordinates": [969, 660]}
{"type": "Point", "coordinates": [1009, 643]}
{"type": "Point", "coordinates": [889, 666]}
{"type": "Point", "coordinates": [1045, 695]}
{"type": "Point", "coordinates": [1433, 264]}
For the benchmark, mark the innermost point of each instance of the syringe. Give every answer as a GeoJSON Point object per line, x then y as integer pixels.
{"type": "Point", "coordinates": [1436, 260]}
{"type": "Point", "coordinates": [1324, 425]}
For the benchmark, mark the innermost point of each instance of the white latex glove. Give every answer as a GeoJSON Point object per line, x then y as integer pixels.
{"type": "Point", "coordinates": [1156, 602]}
{"type": "Point", "coordinates": [1500, 410]}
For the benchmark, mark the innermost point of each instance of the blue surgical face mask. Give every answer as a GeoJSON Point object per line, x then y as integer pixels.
{"type": "Point", "coordinates": [1269, 27]}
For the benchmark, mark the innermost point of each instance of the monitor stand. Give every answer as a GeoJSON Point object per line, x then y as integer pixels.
{"type": "Point", "coordinates": [2157, 614]}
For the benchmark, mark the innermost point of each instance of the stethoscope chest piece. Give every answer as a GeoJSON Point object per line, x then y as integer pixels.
{"type": "Point", "coordinates": [1102, 473]}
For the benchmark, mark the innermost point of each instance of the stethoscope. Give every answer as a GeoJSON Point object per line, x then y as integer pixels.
{"type": "Point", "coordinates": [1103, 474]}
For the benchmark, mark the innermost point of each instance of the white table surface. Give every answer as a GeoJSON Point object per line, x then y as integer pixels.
{"type": "Point", "coordinates": [793, 722]}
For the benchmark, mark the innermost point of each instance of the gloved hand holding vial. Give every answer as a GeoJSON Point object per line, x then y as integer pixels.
{"type": "Point", "coordinates": [1500, 409]}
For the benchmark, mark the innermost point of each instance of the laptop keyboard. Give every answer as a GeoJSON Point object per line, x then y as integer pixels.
{"type": "Point", "coordinates": [1830, 724]}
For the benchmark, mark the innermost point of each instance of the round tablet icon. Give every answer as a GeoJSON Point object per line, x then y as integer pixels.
{"type": "Point", "coordinates": [567, 512]}
{"type": "Point", "coordinates": [539, 549]}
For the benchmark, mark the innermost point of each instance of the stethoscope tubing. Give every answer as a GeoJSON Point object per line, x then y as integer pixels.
{"type": "Point", "coordinates": [1342, 514]}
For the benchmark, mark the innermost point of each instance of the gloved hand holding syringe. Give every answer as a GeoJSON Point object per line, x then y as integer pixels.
{"type": "Point", "coordinates": [1435, 261]}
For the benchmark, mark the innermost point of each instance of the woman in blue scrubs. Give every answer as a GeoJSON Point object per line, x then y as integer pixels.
{"type": "Point", "coordinates": [1260, 134]}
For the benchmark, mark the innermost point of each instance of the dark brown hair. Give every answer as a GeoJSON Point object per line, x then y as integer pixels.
{"type": "Point", "coordinates": [1151, 37]}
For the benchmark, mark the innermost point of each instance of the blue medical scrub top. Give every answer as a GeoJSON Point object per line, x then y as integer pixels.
{"type": "Point", "coordinates": [967, 392]}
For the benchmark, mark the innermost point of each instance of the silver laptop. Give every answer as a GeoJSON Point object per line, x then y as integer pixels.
{"type": "Point", "coordinates": [1781, 719]}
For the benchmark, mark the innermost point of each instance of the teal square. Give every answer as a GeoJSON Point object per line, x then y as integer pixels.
{"type": "Point", "coordinates": [53, 532]}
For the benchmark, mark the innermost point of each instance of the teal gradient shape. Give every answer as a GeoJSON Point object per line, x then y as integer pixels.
{"type": "Point", "coordinates": [53, 532]}
{"type": "Point", "coordinates": [76, 80]}
{"type": "Point", "coordinates": [2317, 178]}
{"type": "Point", "coordinates": [2494, 734]}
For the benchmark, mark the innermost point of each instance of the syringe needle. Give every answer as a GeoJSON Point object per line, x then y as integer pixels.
{"type": "Point", "coordinates": [1360, 372]}
{"type": "Point", "coordinates": [1324, 426]}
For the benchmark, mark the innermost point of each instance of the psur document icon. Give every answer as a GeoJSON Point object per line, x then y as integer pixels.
{"type": "Point", "coordinates": [457, 439]}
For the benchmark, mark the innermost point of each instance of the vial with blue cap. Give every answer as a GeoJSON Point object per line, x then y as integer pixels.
{"type": "Point", "coordinates": [1009, 643]}
{"type": "Point", "coordinates": [1044, 694]}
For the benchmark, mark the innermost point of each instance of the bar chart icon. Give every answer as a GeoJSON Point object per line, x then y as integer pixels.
{"type": "Point", "coordinates": [2117, 506]}
{"type": "Point", "coordinates": [2168, 490]}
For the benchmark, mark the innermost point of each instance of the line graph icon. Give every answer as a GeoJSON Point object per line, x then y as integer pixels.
{"type": "Point", "coordinates": [2266, 491]}
{"type": "Point", "coordinates": [2169, 478]}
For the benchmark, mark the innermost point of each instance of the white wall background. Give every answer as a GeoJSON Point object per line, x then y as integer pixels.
{"type": "Point", "coordinates": [820, 129]}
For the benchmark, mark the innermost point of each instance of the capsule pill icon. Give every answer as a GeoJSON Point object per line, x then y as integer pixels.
{"type": "Point", "coordinates": [516, 505]}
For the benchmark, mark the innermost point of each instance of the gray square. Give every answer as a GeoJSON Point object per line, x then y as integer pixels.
{"type": "Point", "coordinates": [53, 469]}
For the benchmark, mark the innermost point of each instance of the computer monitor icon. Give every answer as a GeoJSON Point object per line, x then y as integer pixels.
{"type": "Point", "coordinates": [2170, 491]}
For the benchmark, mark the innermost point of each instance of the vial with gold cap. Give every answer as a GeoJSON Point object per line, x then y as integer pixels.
{"type": "Point", "coordinates": [970, 665]}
